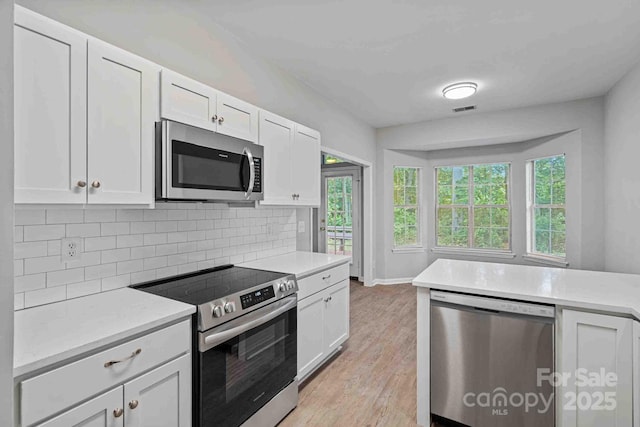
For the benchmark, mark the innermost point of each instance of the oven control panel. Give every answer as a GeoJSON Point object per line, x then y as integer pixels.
{"type": "Point", "coordinates": [256, 297]}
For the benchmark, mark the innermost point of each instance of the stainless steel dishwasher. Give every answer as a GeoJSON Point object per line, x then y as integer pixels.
{"type": "Point", "coordinates": [490, 362]}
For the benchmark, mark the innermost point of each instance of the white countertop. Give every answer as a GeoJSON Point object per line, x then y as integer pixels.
{"type": "Point", "coordinates": [53, 333]}
{"type": "Point", "coordinates": [300, 263]}
{"type": "Point", "coordinates": [591, 290]}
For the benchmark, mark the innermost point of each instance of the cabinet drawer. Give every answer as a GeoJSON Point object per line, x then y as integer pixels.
{"type": "Point", "coordinates": [322, 280]}
{"type": "Point", "coordinates": [61, 388]}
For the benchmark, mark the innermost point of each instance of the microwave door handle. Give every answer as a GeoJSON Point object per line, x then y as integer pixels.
{"type": "Point", "coordinates": [252, 172]}
{"type": "Point", "coordinates": [212, 339]}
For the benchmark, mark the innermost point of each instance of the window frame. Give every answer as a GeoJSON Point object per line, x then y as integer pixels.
{"type": "Point", "coordinates": [489, 252]}
{"type": "Point", "coordinates": [419, 245]}
{"type": "Point", "coordinates": [530, 253]}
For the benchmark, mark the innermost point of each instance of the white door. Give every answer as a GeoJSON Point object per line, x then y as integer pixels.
{"type": "Point", "coordinates": [336, 324]}
{"type": "Point", "coordinates": [276, 135]}
{"type": "Point", "coordinates": [340, 215]}
{"type": "Point", "coordinates": [187, 101]}
{"type": "Point", "coordinates": [122, 110]}
{"type": "Point", "coordinates": [237, 118]}
{"type": "Point", "coordinates": [311, 346]}
{"type": "Point", "coordinates": [305, 166]}
{"type": "Point", "coordinates": [160, 398]}
{"type": "Point", "coordinates": [103, 411]}
{"type": "Point", "coordinates": [596, 343]}
{"type": "Point", "coordinates": [50, 90]}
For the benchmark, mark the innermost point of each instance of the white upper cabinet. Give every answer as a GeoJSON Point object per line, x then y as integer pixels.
{"type": "Point", "coordinates": [190, 102]}
{"type": "Point", "coordinates": [292, 162]}
{"type": "Point", "coordinates": [50, 92]}
{"type": "Point", "coordinates": [84, 117]}
{"type": "Point", "coordinates": [237, 118]}
{"type": "Point", "coordinates": [187, 101]}
{"type": "Point", "coordinates": [122, 110]}
{"type": "Point", "coordinates": [306, 166]}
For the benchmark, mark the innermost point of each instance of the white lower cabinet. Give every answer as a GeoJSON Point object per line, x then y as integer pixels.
{"type": "Point", "coordinates": [323, 320]}
{"type": "Point", "coordinates": [595, 349]}
{"type": "Point", "coordinates": [142, 382]}
{"type": "Point", "coordinates": [636, 374]}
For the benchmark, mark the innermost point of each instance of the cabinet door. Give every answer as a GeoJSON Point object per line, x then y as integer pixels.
{"type": "Point", "coordinates": [160, 398]}
{"type": "Point", "coordinates": [187, 101]}
{"type": "Point", "coordinates": [50, 72]}
{"type": "Point", "coordinates": [237, 118]}
{"type": "Point", "coordinates": [276, 135]}
{"type": "Point", "coordinates": [306, 166]}
{"type": "Point", "coordinates": [311, 346]}
{"type": "Point", "coordinates": [122, 110]}
{"type": "Point", "coordinates": [593, 344]}
{"type": "Point", "coordinates": [337, 315]}
{"type": "Point", "coordinates": [98, 412]}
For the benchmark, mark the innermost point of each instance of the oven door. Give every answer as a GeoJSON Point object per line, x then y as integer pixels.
{"type": "Point", "coordinates": [244, 363]}
{"type": "Point", "coordinates": [203, 165]}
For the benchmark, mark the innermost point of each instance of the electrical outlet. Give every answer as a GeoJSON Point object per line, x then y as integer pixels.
{"type": "Point", "coordinates": [70, 249]}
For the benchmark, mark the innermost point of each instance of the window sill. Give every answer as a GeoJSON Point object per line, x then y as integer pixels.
{"type": "Point", "coordinates": [408, 250]}
{"type": "Point", "coordinates": [539, 259]}
{"type": "Point", "coordinates": [474, 252]}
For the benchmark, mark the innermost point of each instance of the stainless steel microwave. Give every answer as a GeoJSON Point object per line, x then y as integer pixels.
{"type": "Point", "coordinates": [197, 164]}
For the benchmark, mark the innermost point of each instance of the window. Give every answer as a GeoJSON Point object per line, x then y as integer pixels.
{"type": "Point", "coordinates": [330, 160]}
{"type": "Point", "coordinates": [546, 207]}
{"type": "Point", "coordinates": [406, 212]}
{"type": "Point", "coordinates": [472, 207]}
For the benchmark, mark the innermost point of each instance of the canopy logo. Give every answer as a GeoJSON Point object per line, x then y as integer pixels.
{"type": "Point", "coordinates": [499, 400]}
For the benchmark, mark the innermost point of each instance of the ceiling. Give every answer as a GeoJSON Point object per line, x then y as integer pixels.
{"type": "Point", "coordinates": [386, 61]}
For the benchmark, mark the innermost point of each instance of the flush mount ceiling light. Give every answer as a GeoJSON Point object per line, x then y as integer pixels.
{"type": "Point", "coordinates": [459, 90]}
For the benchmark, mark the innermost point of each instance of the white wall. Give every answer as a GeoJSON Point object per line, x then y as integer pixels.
{"type": "Point", "coordinates": [6, 212]}
{"type": "Point", "coordinates": [622, 178]}
{"type": "Point", "coordinates": [497, 128]}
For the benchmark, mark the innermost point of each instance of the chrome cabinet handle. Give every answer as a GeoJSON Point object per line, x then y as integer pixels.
{"type": "Point", "coordinates": [133, 404]}
{"type": "Point", "coordinates": [95, 184]}
{"type": "Point", "coordinates": [214, 118]}
{"type": "Point", "coordinates": [113, 362]}
{"type": "Point", "coordinates": [81, 184]}
{"type": "Point", "coordinates": [118, 412]}
{"type": "Point", "coordinates": [326, 277]}
{"type": "Point", "coordinates": [220, 120]}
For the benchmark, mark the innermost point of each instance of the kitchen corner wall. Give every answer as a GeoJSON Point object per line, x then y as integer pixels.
{"type": "Point", "coordinates": [125, 246]}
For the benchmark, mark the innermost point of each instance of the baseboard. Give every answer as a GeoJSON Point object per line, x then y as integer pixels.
{"type": "Point", "coordinates": [397, 281]}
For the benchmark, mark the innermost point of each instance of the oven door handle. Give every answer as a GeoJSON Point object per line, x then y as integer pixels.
{"type": "Point", "coordinates": [252, 172]}
{"type": "Point", "coordinates": [257, 318]}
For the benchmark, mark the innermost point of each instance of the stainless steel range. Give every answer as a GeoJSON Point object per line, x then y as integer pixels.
{"type": "Point", "coordinates": [245, 343]}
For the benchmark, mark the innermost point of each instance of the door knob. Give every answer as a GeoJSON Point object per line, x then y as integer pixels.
{"type": "Point", "coordinates": [214, 118]}
{"type": "Point", "coordinates": [118, 412]}
{"type": "Point", "coordinates": [220, 120]}
{"type": "Point", "coordinates": [133, 404]}
{"type": "Point", "coordinates": [81, 184]}
{"type": "Point", "coordinates": [95, 184]}
{"type": "Point", "coordinates": [322, 228]}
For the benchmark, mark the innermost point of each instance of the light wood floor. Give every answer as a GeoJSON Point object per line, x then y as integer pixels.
{"type": "Point", "coordinates": [372, 382]}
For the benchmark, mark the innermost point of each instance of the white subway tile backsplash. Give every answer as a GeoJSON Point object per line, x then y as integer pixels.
{"type": "Point", "coordinates": [45, 296]}
{"type": "Point", "coordinates": [30, 282]}
{"type": "Point", "coordinates": [124, 246]}
{"type": "Point", "coordinates": [83, 230]}
{"type": "Point", "coordinates": [65, 216]}
{"type": "Point", "coordinates": [63, 277]}
{"type": "Point", "coordinates": [100, 215]}
{"type": "Point", "coordinates": [43, 232]}
{"type": "Point", "coordinates": [30, 250]}
{"type": "Point", "coordinates": [99, 243]}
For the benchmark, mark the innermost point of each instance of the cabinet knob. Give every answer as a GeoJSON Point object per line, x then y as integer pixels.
{"type": "Point", "coordinates": [133, 404]}
{"type": "Point", "coordinates": [214, 118]}
{"type": "Point", "coordinates": [95, 184]}
{"type": "Point", "coordinates": [81, 184]}
{"type": "Point", "coordinates": [220, 120]}
{"type": "Point", "coordinates": [118, 412]}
